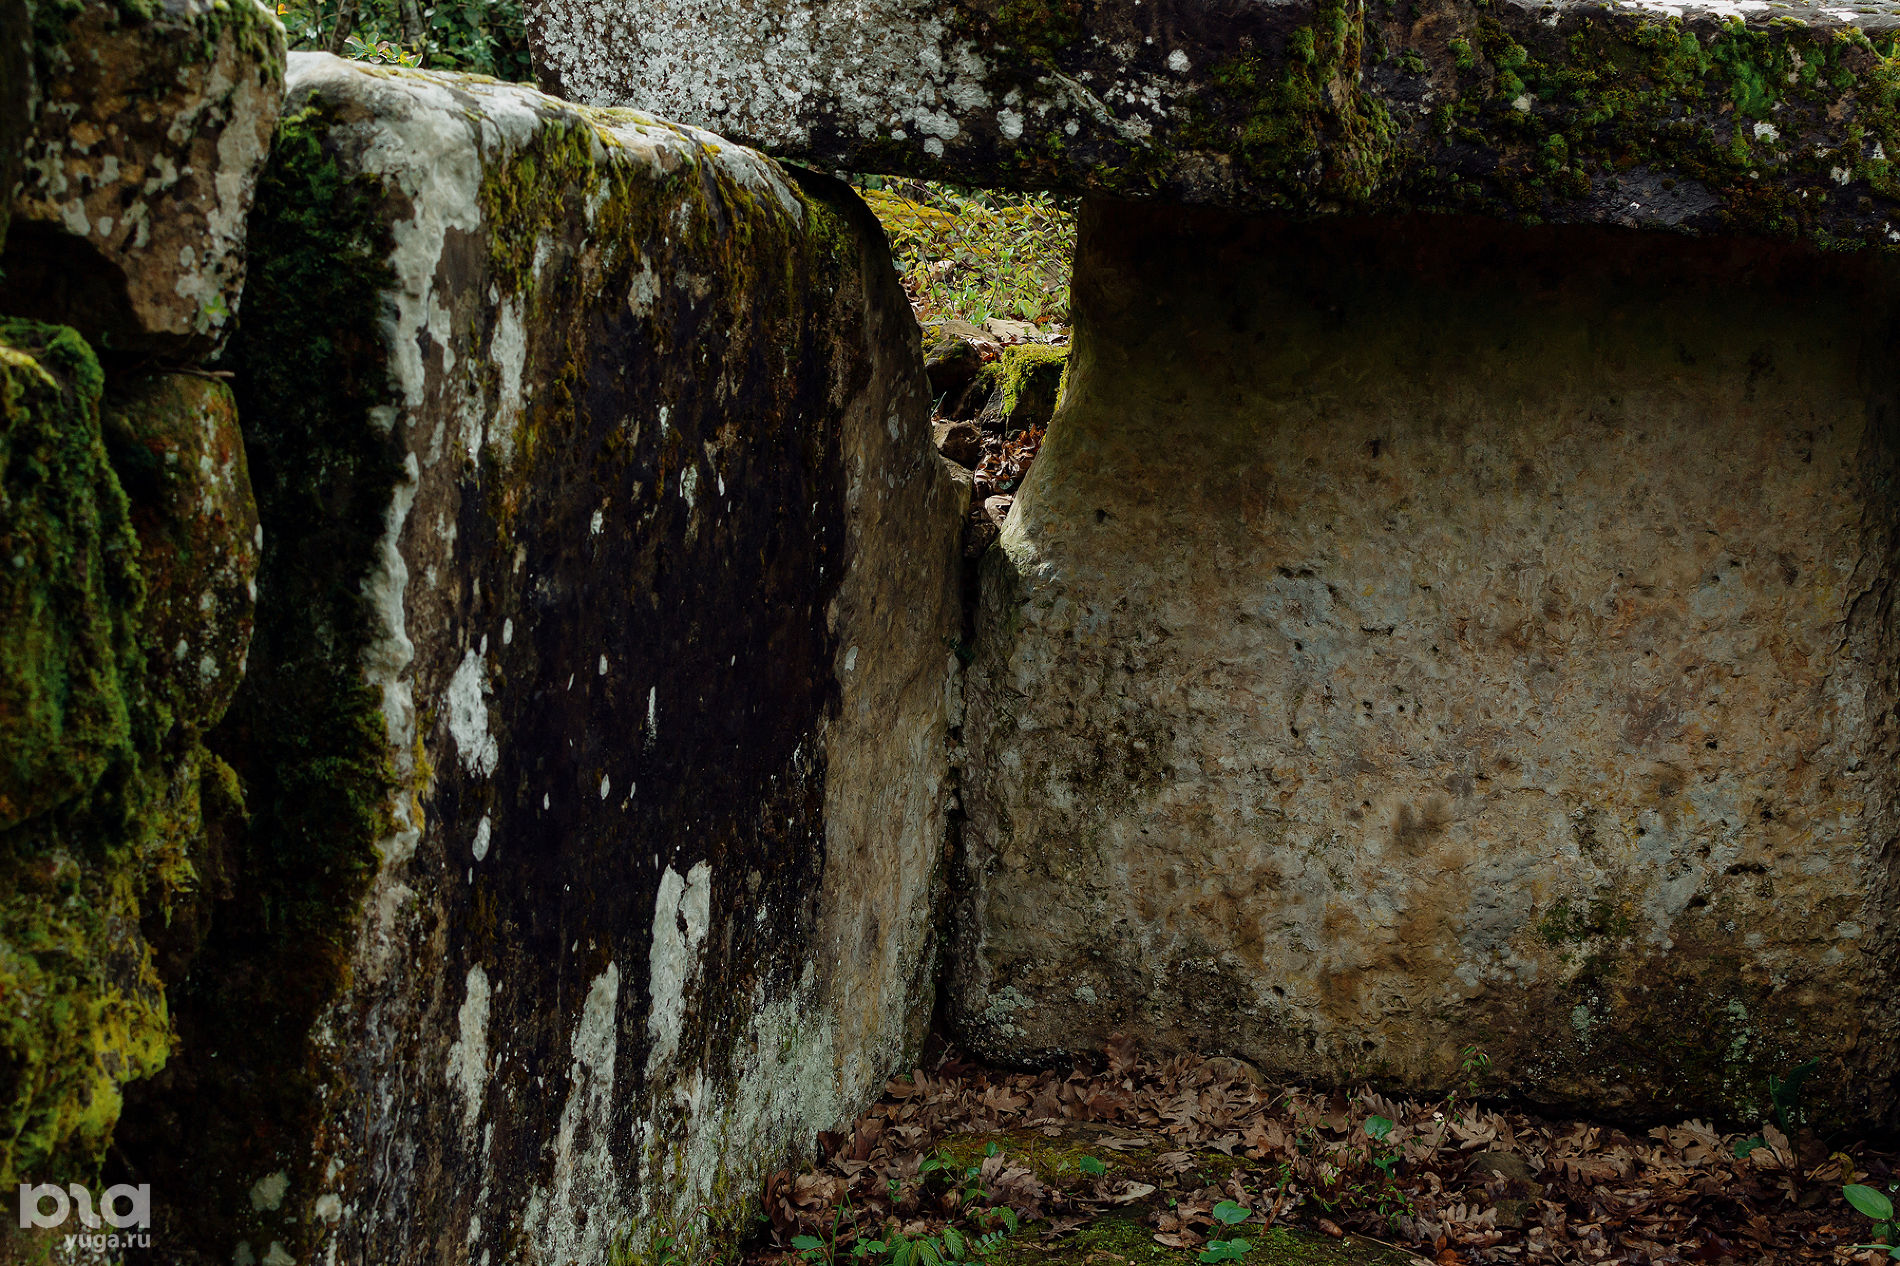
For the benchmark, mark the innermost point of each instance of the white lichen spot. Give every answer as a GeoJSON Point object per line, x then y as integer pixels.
{"type": "Point", "coordinates": [643, 291]}
{"type": "Point", "coordinates": [1767, 132]}
{"type": "Point", "coordinates": [480, 846]}
{"type": "Point", "coordinates": [267, 1193]}
{"type": "Point", "coordinates": [329, 1207]}
{"type": "Point", "coordinates": [1521, 103]}
{"type": "Point", "coordinates": [605, 786]}
{"type": "Point", "coordinates": [689, 484]}
{"type": "Point", "coordinates": [278, 1256]}
{"type": "Point", "coordinates": [1178, 62]}
{"type": "Point", "coordinates": [468, 1057]}
{"type": "Point", "coordinates": [653, 714]}
{"type": "Point", "coordinates": [681, 914]}
{"type": "Point", "coordinates": [1010, 124]}
{"type": "Point", "coordinates": [601, 669]}
{"type": "Point", "coordinates": [468, 717]}
{"type": "Point", "coordinates": [507, 632]}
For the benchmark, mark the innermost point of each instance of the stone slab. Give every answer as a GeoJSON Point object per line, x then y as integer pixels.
{"type": "Point", "coordinates": [596, 722]}
{"type": "Point", "coordinates": [1429, 634]}
{"type": "Point", "coordinates": [1724, 116]}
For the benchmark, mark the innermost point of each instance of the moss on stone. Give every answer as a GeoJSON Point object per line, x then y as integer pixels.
{"type": "Point", "coordinates": [100, 816]}
{"type": "Point", "coordinates": [69, 583]}
{"type": "Point", "coordinates": [1302, 124]}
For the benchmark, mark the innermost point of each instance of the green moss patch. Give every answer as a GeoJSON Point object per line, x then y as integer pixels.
{"type": "Point", "coordinates": [98, 818]}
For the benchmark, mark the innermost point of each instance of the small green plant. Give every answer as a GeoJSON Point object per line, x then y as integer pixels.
{"type": "Point", "coordinates": [1386, 1158]}
{"type": "Point", "coordinates": [1878, 1206]}
{"type": "Point", "coordinates": [1092, 1167]}
{"type": "Point", "coordinates": [1784, 1093]}
{"type": "Point", "coordinates": [1233, 1248]}
{"type": "Point", "coordinates": [1473, 1064]}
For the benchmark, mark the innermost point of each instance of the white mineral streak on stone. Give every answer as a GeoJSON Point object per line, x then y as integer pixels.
{"type": "Point", "coordinates": [468, 1058]}
{"type": "Point", "coordinates": [792, 1074]}
{"type": "Point", "coordinates": [681, 915]}
{"type": "Point", "coordinates": [573, 1220]}
{"type": "Point", "coordinates": [468, 717]}
{"type": "Point", "coordinates": [509, 351]}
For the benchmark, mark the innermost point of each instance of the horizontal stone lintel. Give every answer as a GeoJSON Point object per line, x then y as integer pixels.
{"type": "Point", "coordinates": [1753, 118]}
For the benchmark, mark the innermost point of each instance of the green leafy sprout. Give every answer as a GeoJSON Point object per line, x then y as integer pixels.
{"type": "Point", "coordinates": [1233, 1248]}
{"type": "Point", "coordinates": [1877, 1205]}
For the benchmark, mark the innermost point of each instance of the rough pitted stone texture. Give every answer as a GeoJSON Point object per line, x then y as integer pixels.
{"type": "Point", "coordinates": [149, 126]}
{"type": "Point", "coordinates": [1440, 633]}
{"type": "Point", "coordinates": [595, 733]}
{"type": "Point", "coordinates": [179, 453]}
{"type": "Point", "coordinates": [1720, 117]}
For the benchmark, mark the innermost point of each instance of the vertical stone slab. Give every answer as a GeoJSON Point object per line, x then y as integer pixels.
{"type": "Point", "coordinates": [1418, 634]}
{"type": "Point", "coordinates": [595, 731]}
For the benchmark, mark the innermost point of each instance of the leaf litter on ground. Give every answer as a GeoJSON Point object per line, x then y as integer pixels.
{"type": "Point", "coordinates": [1186, 1143]}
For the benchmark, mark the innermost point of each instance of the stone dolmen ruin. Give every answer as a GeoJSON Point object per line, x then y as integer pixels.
{"type": "Point", "coordinates": [494, 755]}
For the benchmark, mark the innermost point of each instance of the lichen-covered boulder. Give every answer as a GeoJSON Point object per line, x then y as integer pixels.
{"type": "Point", "coordinates": [149, 124]}
{"type": "Point", "coordinates": [595, 730]}
{"type": "Point", "coordinates": [1775, 119]}
{"type": "Point", "coordinates": [1441, 635]}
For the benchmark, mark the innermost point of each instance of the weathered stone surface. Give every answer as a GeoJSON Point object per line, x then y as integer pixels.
{"type": "Point", "coordinates": [149, 126]}
{"type": "Point", "coordinates": [1718, 117]}
{"type": "Point", "coordinates": [1442, 633]}
{"type": "Point", "coordinates": [595, 732]}
{"type": "Point", "coordinates": [954, 354]}
{"type": "Point", "coordinates": [960, 442]}
{"type": "Point", "coordinates": [178, 451]}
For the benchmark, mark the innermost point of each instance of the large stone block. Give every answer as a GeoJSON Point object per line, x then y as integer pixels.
{"type": "Point", "coordinates": [595, 732]}
{"type": "Point", "coordinates": [1711, 117]}
{"type": "Point", "coordinates": [149, 124]}
{"type": "Point", "coordinates": [1421, 634]}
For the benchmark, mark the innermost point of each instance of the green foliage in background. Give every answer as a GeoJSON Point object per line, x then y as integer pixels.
{"type": "Point", "coordinates": [484, 37]}
{"type": "Point", "coordinates": [977, 254]}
